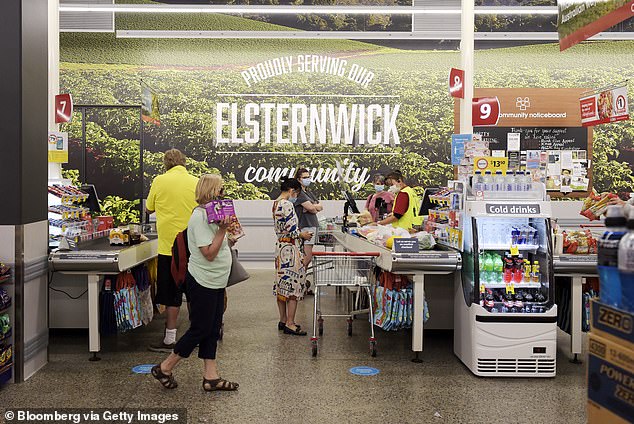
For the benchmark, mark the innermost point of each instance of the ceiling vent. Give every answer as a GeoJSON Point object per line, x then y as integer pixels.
{"type": "Point", "coordinates": [86, 21]}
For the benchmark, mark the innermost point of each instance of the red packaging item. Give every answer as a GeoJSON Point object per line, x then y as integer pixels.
{"type": "Point", "coordinates": [105, 223]}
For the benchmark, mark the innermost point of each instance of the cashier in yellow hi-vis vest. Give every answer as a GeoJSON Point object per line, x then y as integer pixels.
{"type": "Point", "coordinates": [406, 205]}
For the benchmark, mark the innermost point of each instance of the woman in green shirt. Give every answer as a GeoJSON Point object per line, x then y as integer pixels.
{"type": "Point", "coordinates": [207, 276]}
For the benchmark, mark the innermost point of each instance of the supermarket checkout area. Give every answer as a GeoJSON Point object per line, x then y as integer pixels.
{"type": "Point", "coordinates": [443, 264]}
{"type": "Point", "coordinates": [84, 267]}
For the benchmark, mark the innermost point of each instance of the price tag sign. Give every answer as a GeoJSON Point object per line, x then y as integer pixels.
{"type": "Point", "coordinates": [490, 163]}
{"type": "Point", "coordinates": [482, 288]}
{"type": "Point", "coordinates": [515, 251]}
{"type": "Point", "coordinates": [510, 288]}
{"type": "Point", "coordinates": [456, 83]}
{"type": "Point", "coordinates": [486, 112]}
{"type": "Point", "coordinates": [63, 108]}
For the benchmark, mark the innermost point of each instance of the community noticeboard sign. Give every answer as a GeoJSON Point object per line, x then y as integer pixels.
{"type": "Point", "coordinates": [581, 19]}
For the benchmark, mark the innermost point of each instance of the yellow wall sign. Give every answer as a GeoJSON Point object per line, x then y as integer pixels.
{"type": "Point", "coordinates": [489, 163]}
{"type": "Point", "coordinates": [58, 147]}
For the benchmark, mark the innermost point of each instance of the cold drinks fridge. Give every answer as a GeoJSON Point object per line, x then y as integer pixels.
{"type": "Point", "coordinates": [506, 319]}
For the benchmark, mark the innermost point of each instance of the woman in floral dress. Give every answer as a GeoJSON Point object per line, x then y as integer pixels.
{"type": "Point", "coordinates": [290, 281]}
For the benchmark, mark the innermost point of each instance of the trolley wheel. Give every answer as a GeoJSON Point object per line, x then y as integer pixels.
{"type": "Point", "coordinates": [373, 348]}
{"type": "Point", "coordinates": [349, 326]}
{"type": "Point", "coordinates": [314, 348]}
{"type": "Point", "coordinates": [321, 326]}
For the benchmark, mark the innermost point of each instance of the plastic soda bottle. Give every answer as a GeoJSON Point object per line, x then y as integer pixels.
{"type": "Point", "coordinates": [608, 256]}
{"type": "Point", "coordinates": [535, 272]}
{"type": "Point", "coordinates": [498, 266]}
{"type": "Point", "coordinates": [488, 269]}
{"type": "Point", "coordinates": [626, 266]}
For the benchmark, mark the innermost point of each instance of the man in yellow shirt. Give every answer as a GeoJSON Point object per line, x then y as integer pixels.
{"type": "Point", "coordinates": [173, 197]}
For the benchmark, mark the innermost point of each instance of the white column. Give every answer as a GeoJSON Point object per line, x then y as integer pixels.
{"type": "Point", "coordinates": [467, 51]}
{"type": "Point", "coordinates": [419, 312]}
{"type": "Point", "coordinates": [54, 169]}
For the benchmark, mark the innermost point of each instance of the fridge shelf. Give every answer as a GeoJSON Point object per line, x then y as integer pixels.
{"type": "Point", "coordinates": [503, 246]}
{"type": "Point", "coordinates": [518, 286]}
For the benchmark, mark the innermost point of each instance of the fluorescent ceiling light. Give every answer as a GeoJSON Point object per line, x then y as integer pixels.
{"type": "Point", "coordinates": [361, 35]}
{"type": "Point", "coordinates": [294, 10]}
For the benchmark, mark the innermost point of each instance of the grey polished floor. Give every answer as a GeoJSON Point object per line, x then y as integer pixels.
{"type": "Point", "coordinates": [281, 382]}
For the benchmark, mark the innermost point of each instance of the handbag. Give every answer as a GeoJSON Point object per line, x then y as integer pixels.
{"type": "Point", "coordinates": [237, 274]}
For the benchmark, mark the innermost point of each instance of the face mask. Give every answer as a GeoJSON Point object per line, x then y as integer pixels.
{"type": "Point", "coordinates": [292, 199]}
{"type": "Point", "coordinates": [379, 187]}
{"type": "Point", "coordinates": [306, 181]}
{"type": "Point", "coordinates": [394, 189]}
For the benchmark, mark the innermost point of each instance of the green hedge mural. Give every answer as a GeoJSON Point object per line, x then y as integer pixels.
{"type": "Point", "coordinates": [192, 76]}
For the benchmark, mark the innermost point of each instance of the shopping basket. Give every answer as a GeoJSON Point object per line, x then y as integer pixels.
{"type": "Point", "coordinates": [342, 269]}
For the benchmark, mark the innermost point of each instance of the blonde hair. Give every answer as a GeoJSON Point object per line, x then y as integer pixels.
{"type": "Point", "coordinates": [208, 188]}
{"type": "Point", "coordinates": [172, 158]}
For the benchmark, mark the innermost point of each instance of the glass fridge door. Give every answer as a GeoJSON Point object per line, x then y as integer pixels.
{"type": "Point", "coordinates": [513, 264]}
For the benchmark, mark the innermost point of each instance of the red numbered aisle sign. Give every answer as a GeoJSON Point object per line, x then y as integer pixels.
{"type": "Point", "coordinates": [486, 112]}
{"type": "Point", "coordinates": [63, 108]}
{"type": "Point", "coordinates": [456, 83]}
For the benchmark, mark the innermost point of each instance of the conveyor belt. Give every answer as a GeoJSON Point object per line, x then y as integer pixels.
{"type": "Point", "coordinates": [97, 256]}
{"type": "Point", "coordinates": [431, 261]}
{"type": "Point", "coordinates": [575, 264]}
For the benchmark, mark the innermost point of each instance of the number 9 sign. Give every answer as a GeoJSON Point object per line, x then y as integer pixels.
{"type": "Point", "coordinates": [486, 111]}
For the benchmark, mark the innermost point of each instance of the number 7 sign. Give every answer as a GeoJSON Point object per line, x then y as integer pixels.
{"type": "Point", "coordinates": [63, 108]}
{"type": "Point", "coordinates": [486, 112]}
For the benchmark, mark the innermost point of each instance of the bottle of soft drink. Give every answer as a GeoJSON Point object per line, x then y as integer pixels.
{"type": "Point", "coordinates": [481, 258]}
{"type": "Point", "coordinates": [626, 266]}
{"type": "Point", "coordinates": [518, 271]}
{"type": "Point", "coordinates": [608, 256]}
{"type": "Point", "coordinates": [508, 268]}
{"type": "Point", "coordinates": [515, 236]}
{"type": "Point", "coordinates": [498, 266]}
{"type": "Point", "coordinates": [488, 269]}
{"type": "Point", "coordinates": [478, 181]}
{"type": "Point", "coordinates": [527, 271]}
{"type": "Point", "coordinates": [499, 184]}
{"type": "Point", "coordinates": [488, 181]}
{"type": "Point", "coordinates": [536, 275]}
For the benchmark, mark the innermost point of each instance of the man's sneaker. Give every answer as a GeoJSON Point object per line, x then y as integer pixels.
{"type": "Point", "coordinates": [162, 347]}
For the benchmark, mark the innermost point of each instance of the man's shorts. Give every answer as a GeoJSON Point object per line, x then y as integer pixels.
{"type": "Point", "coordinates": [167, 292]}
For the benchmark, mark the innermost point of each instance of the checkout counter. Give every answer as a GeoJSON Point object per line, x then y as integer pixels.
{"type": "Point", "coordinates": [94, 259]}
{"type": "Point", "coordinates": [418, 266]}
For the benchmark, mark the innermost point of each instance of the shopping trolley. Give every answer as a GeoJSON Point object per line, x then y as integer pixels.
{"type": "Point", "coordinates": [342, 269]}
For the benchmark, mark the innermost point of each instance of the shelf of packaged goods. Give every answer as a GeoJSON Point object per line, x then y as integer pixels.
{"type": "Point", "coordinates": [6, 337]}
{"type": "Point", "coordinates": [5, 279]}
{"type": "Point", "coordinates": [507, 247]}
{"type": "Point", "coordinates": [5, 307]}
{"type": "Point", "coordinates": [518, 286]}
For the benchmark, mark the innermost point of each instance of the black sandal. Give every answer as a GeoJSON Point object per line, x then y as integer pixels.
{"type": "Point", "coordinates": [296, 332]}
{"type": "Point", "coordinates": [219, 385]}
{"type": "Point", "coordinates": [281, 325]}
{"type": "Point", "coordinates": [166, 380]}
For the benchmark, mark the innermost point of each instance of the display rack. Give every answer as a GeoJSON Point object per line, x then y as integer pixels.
{"type": "Point", "coordinates": [445, 220]}
{"type": "Point", "coordinates": [7, 317]}
{"type": "Point", "coordinates": [67, 217]}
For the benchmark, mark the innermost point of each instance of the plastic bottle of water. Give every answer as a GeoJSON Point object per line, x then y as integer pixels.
{"type": "Point", "coordinates": [519, 181]}
{"type": "Point", "coordinates": [528, 181]}
{"type": "Point", "coordinates": [499, 183]}
{"type": "Point", "coordinates": [478, 181]}
{"type": "Point", "coordinates": [481, 259]}
{"type": "Point", "coordinates": [488, 181]}
{"type": "Point", "coordinates": [510, 182]}
{"type": "Point", "coordinates": [608, 256]}
{"type": "Point", "coordinates": [626, 267]}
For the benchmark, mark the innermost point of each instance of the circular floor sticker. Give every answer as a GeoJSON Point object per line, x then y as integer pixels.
{"type": "Point", "coordinates": [143, 369]}
{"type": "Point", "coordinates": [365, 371]}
